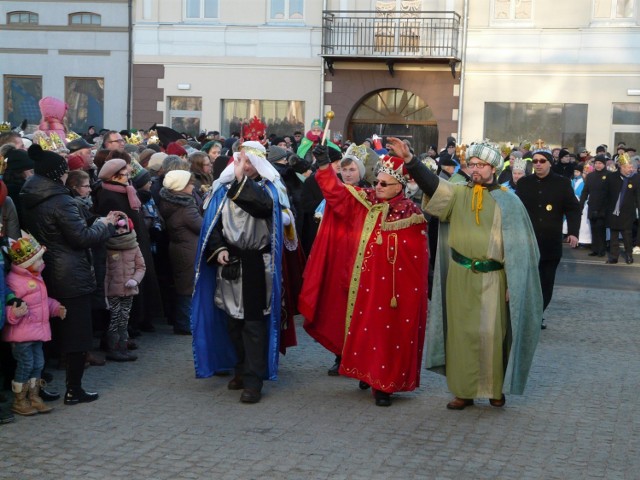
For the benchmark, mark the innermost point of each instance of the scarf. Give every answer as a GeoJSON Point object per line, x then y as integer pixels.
{"type": "Point", "coordinates": [127, 241]}
{"type": "Point", "coordinates": [625, 183]}
{"type": "Point", "coordinates": [132, 196]}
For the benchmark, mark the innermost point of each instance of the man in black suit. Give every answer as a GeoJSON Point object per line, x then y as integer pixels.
{"type": "Point", "coordinates": [548, 198]}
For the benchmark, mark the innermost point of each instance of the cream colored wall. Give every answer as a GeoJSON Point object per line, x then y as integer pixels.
{"type": "Point", "coordinates": [216, 82]}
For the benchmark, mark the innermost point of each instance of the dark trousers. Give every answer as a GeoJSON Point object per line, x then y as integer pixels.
{"type": "Point", "coordinates": [598, 236]}
{"type": "Point", "coordinates": [547, 270]}
{"type": "Point", "coordinates": [75, 369]}
{"type": "Point", "coordinates": [250, 339]}
{"type": "Point", "coordinates": [614, 244]}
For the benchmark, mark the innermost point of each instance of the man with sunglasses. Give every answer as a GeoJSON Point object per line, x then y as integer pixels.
{"type": "Point", "coordinates": [486, 304]}
{"type": "Point", "coordinates": [376, 319]}
{"type": "Point", "coordinates": [548, 198]}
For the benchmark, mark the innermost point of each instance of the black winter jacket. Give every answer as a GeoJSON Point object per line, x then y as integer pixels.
{"type": "Point", "coordinates": [52, 216]}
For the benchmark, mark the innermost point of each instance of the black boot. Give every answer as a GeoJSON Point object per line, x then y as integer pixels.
{"type": "Point", "coordinates": [383, 399]}
{"type": "Point", "coordinates": [334, 371]}
{"type": "Point", "coordinates": [77, 395]}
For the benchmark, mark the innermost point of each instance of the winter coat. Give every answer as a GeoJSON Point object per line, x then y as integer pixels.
{"type": "Point", "coordinates": [34, 326]}
{"type": "Point", "coordinates": [630, 204]}
{"type": "Point", "coordinates": [183, 221]}
{"type": "Point", "coordinates": [123, 264]}
{"type": "Point", "coordinates": [52, 216]}
{"type": "Point", "coordinates": [595, 191]}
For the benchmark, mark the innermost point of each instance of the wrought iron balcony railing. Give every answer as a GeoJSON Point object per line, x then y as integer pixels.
{"type": "Point", "coordinates": [390, 34]}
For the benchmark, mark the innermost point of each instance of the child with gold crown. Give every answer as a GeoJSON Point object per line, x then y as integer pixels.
{"type": "Point", "coordinates": [27, 325]}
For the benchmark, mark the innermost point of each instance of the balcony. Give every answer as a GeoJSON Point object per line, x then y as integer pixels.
{"type": "Point", "coordinates": [390, 35]}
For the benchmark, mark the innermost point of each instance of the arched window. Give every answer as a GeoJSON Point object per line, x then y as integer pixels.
{"type": "Point", "coordinates": [23, 18]}
{"type": "Point", "coordinates": [84, 18]}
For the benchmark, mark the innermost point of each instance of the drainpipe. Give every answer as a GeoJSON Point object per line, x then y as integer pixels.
{"type": "Point", "coordinates": [463, 68]}
{"type": "Point", "coordinates": [130, 66]}
{"type": "Point", "coordinates": [324, 8]}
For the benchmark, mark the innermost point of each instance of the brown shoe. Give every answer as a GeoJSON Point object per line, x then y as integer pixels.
{"type": "Point", "coordinates": [459, 403]}
{"type": "Point", "coordinates": [497, 402]}
{"type": "Point", "coordinates": [95, 359]}
{"type": "Point", "coordinates": [236, 383]}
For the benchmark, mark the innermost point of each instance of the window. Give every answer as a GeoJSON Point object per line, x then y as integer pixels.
{"type": "Point", "coordinates": [21, 97]}
{"type": "Point", "coordinates": [562, 124]}
{"type": "Point", "coordinates": [185, 114]}
{"type": "Point", "coordinates": [626, 124]}
{"type": "Point", "coordinates": [282, 117]}
{"type": "Point", "coordinates": [22, 18]}
{"type": "Point", "coordinates": [85, 97]}
{"type": "Point", "coordinates": [613, 9]}
{"type": "Point", "coordinates": [512, 9]}
{"type": "Point", "coordinates": [84, 18]}
{"type": "Point", "coordinates": [202, 9]}
{"type": "Point", "coordinates": [287, 9]}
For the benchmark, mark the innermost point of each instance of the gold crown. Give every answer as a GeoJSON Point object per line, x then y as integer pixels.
{"type": "Point", "coordinates": [71, 136]}
{"type": "Point", "coordinates": [25, 251]}
{"type": "Point", "coordinates": [49, 141]}
{"type": "Point", "coordinates": [134, 139]}
{"type": "Point", "coordinates": [153, 137]}
{"type": "Point", "coordinates": [461, 153]}
{"type": "Point", "coordinates": [624, 159]}
{"type": "Point", "coordinates": [393, 166]}
{"type": "Point", "coordinates": [5, 127]}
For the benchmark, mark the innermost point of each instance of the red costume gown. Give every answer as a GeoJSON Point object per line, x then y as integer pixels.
{"type": "Point", "coordinates": [365, 286]}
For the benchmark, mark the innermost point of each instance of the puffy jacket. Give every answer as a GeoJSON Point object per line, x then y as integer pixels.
{"type": "Point", "coordinates": [34, 326]}
{"type": "Point", "coordinates": [52, 216]}
{"type": "Point", "coordinates": [123, 265]}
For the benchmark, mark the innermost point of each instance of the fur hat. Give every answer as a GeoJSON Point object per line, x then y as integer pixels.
{"type": "Point", "coordinates": [47, 164]}
{"type": "Point", "coordinates": [25, 251]}
{"type": "Point", "coordinates": [486, 153]}
{"type": "Point", "coordinates": [155, 162]}
{"type": "Point", "coordinates": [110, 168]}
{"type": "Point", "coordinates": [176, 180]}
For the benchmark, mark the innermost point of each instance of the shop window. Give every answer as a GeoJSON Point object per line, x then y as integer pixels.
{"type": "Point", "coordinates": [185, 114]}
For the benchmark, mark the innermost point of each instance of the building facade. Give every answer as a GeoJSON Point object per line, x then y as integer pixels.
{"type": "Point", "coordinates": [77, 51]}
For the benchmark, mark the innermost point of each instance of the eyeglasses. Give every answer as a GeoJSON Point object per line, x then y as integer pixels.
{"type": "Point", "coordinates": [384, 184]}
{"type": "Point", "coordinates": [84, 186]}
{"type": "Point", "coordinates": [541, 161]}
{"type": "Point", "coordinates": [477, 165]}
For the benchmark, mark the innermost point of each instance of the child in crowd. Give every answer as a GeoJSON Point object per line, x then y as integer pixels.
{"type": "Point", "coordinates": [125, 271]}
{"type": "Point", "coordinates": [28, 323]}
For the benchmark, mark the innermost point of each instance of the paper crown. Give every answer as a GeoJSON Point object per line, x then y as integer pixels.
{"type": "Point", "coordinates": [255, 130]}
{"type": "Point", "coordinates": [134, 139]}
{"type": "Point", "coordinates": [394, 166]}
{"type": "Point", "coordinates": [461, 153]}
{"type": "Point", "coordinates": [316, 123]}
{"type": "Point", "coordinates": [49, 141]}
{"type": "Point", "coordinates": [25, 251]}
{"type": "Point", "coordinates": [624, 159]}
{"type": "Point", "coordinates": [153, 137]}
{"type": "Point", "coordinates": [519, 164]}
{"type": "Point", "coordinates": [542, 149]}
{"type": "Point", "coordinates": [5, 127]}
{"type": "Point", "coordinates": [71, 136]}
{"type": "Point", "coordinates": [506, 148]}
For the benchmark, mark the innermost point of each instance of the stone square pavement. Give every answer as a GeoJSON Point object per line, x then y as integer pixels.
{"type": "Point", "coordinates": [579, 417]}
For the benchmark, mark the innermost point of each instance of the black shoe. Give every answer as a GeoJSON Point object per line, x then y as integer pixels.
{"type": "Point", "coordinates": [594, 254]}
{"type": "Point", "coordinates": [79, 395]}
{"type": "Point", "coordinates": [335, 370]}
{"type": "Point", "coordinates": [629, 260]}
{"type": "Point", "coordinates": [383, 399]}
{"type": "Point", "coordinates": [250, 396]}
{"type": "Point", "coordinates": [48, 396]}
{"type": "Point", "coordinates": [236, 383]}
{"type": "Point", "coordinates": [6, 416]}
{"type": "Point", "coordinates": [543, 326]}
{"type": "Point", "coordinates": [611, 262]}
{"type": "Point", "coordinates": [362, 385]}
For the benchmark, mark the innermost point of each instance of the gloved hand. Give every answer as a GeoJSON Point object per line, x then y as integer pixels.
{"type": "Point", "coordinates": [20, 310]}
{"type": "Point", "coordinates": [131, 283]}
{"type": "Point", "coordinates": [322, 155]}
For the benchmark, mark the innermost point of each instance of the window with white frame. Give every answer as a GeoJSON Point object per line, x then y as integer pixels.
{"type": "Point", "coordinates": [513, 10]}
{"type": "Point", "coordinates": [185, 114]}
{"type": "Point", "coordinates": [201, 9]}
{"type": "Point", "coordinates": [23, 18]}
{"type": "Point", "coordinates": [84, 18]}
{"type": "Point", "coordinates": [286, 9]}
{"type": "Point", "coordinates": [613, 9]}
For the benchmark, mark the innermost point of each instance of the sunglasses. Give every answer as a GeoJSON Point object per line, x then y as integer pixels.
{"type": "Point", "coordinates": [384, 184]}
{"type": "Point", "coordinates": [541, 161]}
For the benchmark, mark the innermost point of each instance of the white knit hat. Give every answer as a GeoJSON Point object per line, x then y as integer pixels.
{"type": "Point", "coordinates": [176, 180]}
